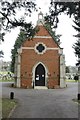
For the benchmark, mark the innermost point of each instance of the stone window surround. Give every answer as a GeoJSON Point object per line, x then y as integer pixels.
{"type": "Point", "coordinates": [37, 50]}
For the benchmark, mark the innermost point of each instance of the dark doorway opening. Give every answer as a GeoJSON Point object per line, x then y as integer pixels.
{"type": "Point", "coordinates": [40, 75]}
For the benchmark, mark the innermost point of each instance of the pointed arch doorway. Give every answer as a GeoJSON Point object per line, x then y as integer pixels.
{"type": "Point", "coordinates": [40, 75]}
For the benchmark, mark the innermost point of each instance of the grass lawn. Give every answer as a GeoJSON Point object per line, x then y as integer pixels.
{"type": "Point", "coordinates": [7, 106]}
{"type": "Point", "coordinates": [76, 101]}
{"type": "Point", "coordinates": [7, 80]}
{"type": "Point", "coordinates": [70, 80]}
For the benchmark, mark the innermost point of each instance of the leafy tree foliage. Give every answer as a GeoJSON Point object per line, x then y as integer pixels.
{"type": "Point", "coordinates": [70, 9]}
{"type": "Point", "coordinates": [21, 37]}
{"type": "Point", "coordinates": [76, 46]}
{"type": "Point", "coordinates": [8, 14]}
{"type": "Point", "coordinates": [1, 53]}
{"type": "Point", "coordinates": [67, 69]}
{"type": "Point", "coordinates": [56, 8]}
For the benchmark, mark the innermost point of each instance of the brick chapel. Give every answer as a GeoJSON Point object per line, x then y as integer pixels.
{"type": "Point", "coordinates": [40, 62]}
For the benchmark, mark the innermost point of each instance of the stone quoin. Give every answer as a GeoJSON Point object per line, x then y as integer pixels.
{"type": "Point", "coordinates": [40, 61]}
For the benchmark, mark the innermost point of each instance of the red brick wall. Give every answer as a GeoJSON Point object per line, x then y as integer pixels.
{"type": "Point", "coordinates": [50, 59]}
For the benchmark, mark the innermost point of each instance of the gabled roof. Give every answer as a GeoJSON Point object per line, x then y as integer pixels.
{"type": "Point", "coordinates": [42, 25]}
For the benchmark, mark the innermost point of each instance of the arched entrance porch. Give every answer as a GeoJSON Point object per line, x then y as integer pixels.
{"type": "Point", "coordinates": [39, 77]}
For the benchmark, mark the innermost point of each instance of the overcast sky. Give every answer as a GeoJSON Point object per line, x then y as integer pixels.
{"type": "Point", "coordinates": [64, 28]}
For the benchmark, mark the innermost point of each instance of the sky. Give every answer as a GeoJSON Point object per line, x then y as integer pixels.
{"type": "Point", "coordinates": [64, 28]}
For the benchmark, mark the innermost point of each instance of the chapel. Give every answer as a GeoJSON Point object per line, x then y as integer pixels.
{"type": "Point", "coordinates": [40, 62]}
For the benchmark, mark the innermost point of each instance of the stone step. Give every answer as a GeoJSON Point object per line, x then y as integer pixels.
{"type": "Point", "coordinates": [40, 87]}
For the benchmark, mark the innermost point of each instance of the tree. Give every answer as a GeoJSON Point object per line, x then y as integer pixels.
{"type": "Point", "coordinates": [1, 53]}
{"type": "Point", "coordinates": [8, 14]}
{"type": "Point", "coordinates": [17, 45]}
{"type": "Point", "coordinates": [56, 8]}
{"type": "Point", "coordinates": [76, 46]}
{"type": "Point", "coordinates": [67, 69]}
{"type": "Point", "coordinates": [70, 9]}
